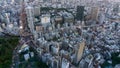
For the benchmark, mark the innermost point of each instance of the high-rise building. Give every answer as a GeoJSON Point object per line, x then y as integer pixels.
{"type": "Point", "coordinates": [37, 10]}
{"type": "Point", "coordinates": [30, 18]}
{"type": "Point", "coordinates": [80, 13]}
{"type": "Point", "coordinates": [79, 51]}
{"type": "Point", "coordinates": [94, 13]}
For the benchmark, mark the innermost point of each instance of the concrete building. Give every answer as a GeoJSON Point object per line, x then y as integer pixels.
{"type": "Point", "coordinates": [94, 13]}
{"type": "Point", "coordinates": [30, 18]}
{"type": "Point", "coordinates": [58, 20]}
{"type": "Point", "coordinates": [26, 57]}
{"type": "Point", "coordinates": [46, 21]}
{"type": "Point", "coordinates": [37, 10]}
{"type": "Point", "coordinates": [39, 28]}
{"type": "Point", "coordinates": [101, 18]}
{"type": "Point", "coordinates": [65, 63]}
{"type": "Point", "coordinates": [55, 49]}
{"type": "Point", "coordinates": [79, 51]}
{"type": "Point", "coordinates": [7, 15]}
{"type": "Point", "coordinates": [80, 13]}
{"type": "Point", "coordinates": [55, 62]}
{"type": "Point", "coordinates": [68, 19]}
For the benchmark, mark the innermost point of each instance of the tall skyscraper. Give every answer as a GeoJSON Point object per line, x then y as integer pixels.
{"type": "Point", "coordinates": [30, 18]}
{"type": "Point", "coordinates": [79, 51]}
{"type": "Point", "coordinates": [94, 13]}
{"type": "Point", "coordinates": [80, 13]}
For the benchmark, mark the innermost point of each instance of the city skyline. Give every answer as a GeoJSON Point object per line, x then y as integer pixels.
{"type": "Point", "coordinates": [59, 34]}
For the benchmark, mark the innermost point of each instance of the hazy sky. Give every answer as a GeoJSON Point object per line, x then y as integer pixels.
{"type": "Point", "coordinates": [114, 0]}
{"type": "Point", "coordinates": [111, 0]}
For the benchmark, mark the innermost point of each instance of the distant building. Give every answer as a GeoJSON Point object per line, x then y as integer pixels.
{"type": "Point", "coordinates": [79, 51]}
{"type": "Point", "coordinates": [55, 63]}
{"type": "Point", "coordinates": [54, 48]}
{"type": "Point", "coordinates": [68, 18]}
{"type": "Point", "coordinates": [31, 54]}
{"type": "Point", "coordinates": [45, 19]}
{"type": "Point", "coordinates": [39, 28]}
{"type": "Point", "coordinates": [116, 8]}
{"type": "Point", "coordinates": [65, 63]}
{"type": "Point", "coordinates": [1, 29]}
{"type": "Point", "coordinates": [117, 66]}
{"type": "Point", "coordinates": [54, 1]}
{"type": "Point", "coordinates": [30, 18]}
{"type": "Point", "coordinates": [119, 10]}
{"type": "Point", "coordinates": [101, 18]}
{"type": "Point", "coordinates": [37, 10]}
{"type": "Point", "coordinates": [26, 56]}
{"type": "Point", "coordinates": [7, 15]}
{"type": "Point", "coordinates": [80, 13]}
{"type": "Point", "coordinates": [58, 21]}
{"type": "Point", "coordinates": [24, 48]}
{"type": "Point", "coordinates": [94, 13]}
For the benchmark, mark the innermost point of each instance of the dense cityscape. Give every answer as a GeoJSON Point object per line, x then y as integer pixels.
{"type": "Point", "coordinates": [59, 33]}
